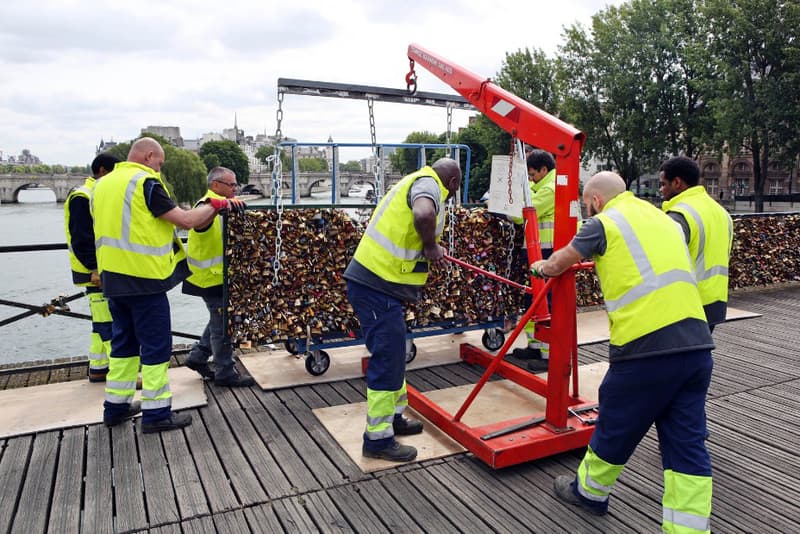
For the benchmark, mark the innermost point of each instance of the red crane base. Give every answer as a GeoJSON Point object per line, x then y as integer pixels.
{"type": "Point", "coordinates": [522, 439]}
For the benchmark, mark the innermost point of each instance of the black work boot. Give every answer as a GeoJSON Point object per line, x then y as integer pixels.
{"type": "Point", "coordinates": [173, 422]}
{"type": "Point", "coordinates": [393, 453]}
{"type": "Point", "coordinates": [235, 381]}
{"type": "Point", "coordinates": [134, 408]}
{"type": "Point", "coordinates": [562, 486]}
{"type": "Point", "coordinates": [202, 369]}
{"type": "Point", "coordinates": [406, 427]}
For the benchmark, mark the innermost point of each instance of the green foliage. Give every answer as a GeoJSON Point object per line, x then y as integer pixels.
{"type": "Point", "coordinates": [351, 166]}
{"type": "Point", "coordinates": [183, 171]}
{"type": "Point", "coordinates": [754, 94]}
{"type": "Point", "coordinates": [406, 160]}
{"type": "Point", "coordinates": [532, 76]}
{"type": "Point", "coordinates": [211, 161]}
{"type": "Point", "coordinates": [263, 153]}
{"type": "Point", "coordinates": [312, 164]}
{"type": "Point", "coordinates": [230, 155]}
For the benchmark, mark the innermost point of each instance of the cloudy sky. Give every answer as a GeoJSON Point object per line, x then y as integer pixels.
{"type": "Point", "coordinates": [75, 71]}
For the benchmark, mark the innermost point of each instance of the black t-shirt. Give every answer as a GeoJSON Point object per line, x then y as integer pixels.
{"type": "Point", "coordinates": [81, 232]}
{"type": "Point", "coordinates": [156, 198]}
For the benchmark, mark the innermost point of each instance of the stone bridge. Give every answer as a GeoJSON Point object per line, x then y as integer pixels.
{"type": "Point", "coordinates": [61, 184]}
{"type": "Point", "coordinates": [306, 183]}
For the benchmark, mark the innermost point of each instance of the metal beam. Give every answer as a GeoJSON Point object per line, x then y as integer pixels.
{"type": "Point", "coordinates": [366, 92]}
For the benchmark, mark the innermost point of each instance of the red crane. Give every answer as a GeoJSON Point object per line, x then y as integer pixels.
{"type": "Point", "coordinates": [560, 427]}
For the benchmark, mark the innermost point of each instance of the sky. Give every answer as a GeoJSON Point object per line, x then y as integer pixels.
{"type": "Point", "coordinates": [73, 72]}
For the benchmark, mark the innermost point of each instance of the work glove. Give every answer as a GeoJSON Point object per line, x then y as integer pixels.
{"type": "Point", "coordinates": [233, 205]}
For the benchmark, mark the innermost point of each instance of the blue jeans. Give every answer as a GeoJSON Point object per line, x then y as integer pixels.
{"type": "Point", "coordinates": [212, 342]}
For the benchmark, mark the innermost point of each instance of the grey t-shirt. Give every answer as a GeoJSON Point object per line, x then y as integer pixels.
{"type": "Point", "coordinates": [681, 220]}
{"type": "Point", "coordinates": [590, 239]}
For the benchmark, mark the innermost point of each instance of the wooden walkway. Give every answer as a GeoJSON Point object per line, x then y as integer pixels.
{"type": "Point", "coordinates": [256, 461]}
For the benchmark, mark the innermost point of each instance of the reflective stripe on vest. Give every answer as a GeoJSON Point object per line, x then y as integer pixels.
{"type": "Point", "coordinates": [391, 248]}
{"type": "Point", "coordinates": [80, 273]}
{"type": "Point", "coordinates": [700, 263]}
{"type": "Point", "coordinates": [124, 242]}
{"type": "Point", "coordinates": [204, 251]}
{"type": "Point", "coordinates": [650, 281]}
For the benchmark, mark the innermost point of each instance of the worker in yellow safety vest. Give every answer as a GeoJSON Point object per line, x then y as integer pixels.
{"type": "Point", "coordinates": [205, 257]}
{"type": "Point", "coordinates": [708, 230]}
{"type": "Point", "coordinates": [83, 261]}
{"type": "Point", "coordinates": [140, 258]}
{"type": "Point", "coordinates": [542, 179]}
{"type": "Point", "coordinates": [389, 268]}
{"type": "Point", "coordinates": [659, 354]}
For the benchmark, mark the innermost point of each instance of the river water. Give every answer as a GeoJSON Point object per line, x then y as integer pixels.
{"type": "Point", "coordinates": [37, 277]}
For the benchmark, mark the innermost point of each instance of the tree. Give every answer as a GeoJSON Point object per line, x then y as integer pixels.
{"type": "Point", "coordinates": [230, 155]}
{"type": "Point", "coordinates": [406, 160]}
{"type": "Point", "coordinates": [756, 53]}
{"type": "Point", "coordinates": [350, 166]}
{"type": "Point", "coordinates": [183, 171]}
{"type": "Point", "coordinates": [312, 164]}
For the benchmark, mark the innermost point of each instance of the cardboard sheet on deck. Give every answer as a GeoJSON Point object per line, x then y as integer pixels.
{"type": "Point", "coordinates": [345, 423]}
{"type": "Point", "coordinates": [77, 403]}
{"type": "Point", "coordinates": [279, 369]}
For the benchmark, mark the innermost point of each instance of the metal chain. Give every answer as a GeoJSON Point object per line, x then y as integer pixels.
{"type": "Point", "coordinates": [448, 135]}
{"type": "Point", "coordinates": [277, 188]}
{"type": "Point", "coordinates": [376, 169]}
{"type": "Point", "coordinates": [511, 171]}
{"type": "Point", "coordinates": [510, 250]}
{"type": "Point", "coordinates": [450, 213]}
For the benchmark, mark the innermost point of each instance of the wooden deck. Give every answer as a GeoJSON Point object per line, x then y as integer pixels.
{"type": "Point", "coordinates": [256, 461]}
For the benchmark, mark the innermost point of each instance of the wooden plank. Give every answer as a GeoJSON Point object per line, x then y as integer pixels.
{"type": "Point", "coordinates": [262, 518]}
{"type": "Point", "coordinates": [293, 514]}
{"type": "Point", "coordinates": [325, 514]}
{"type": "Point", "coordinates": [34, 499]}
{"type": "Point", "coordinates": [299, 436]}
{"type": "Point", "coordinates": [393, 514]}
{"type": "Point", "coordinates": [329, 394]}
{"type": "Point", "coordinates": [65, 508]}
{"type": "Point", "coordinates": [218, 490]}
{"type": "Point", "coordinates": [128, 491]}
{"type": "Point", "coordinates": [334, 464]}
{"type": "Point", "coordinates": [463, 517]}
{"type": "Point", "coordinates": [354, 506]}
{"type": "Point", "coordinates": [159, 495]}
{"type": "Point", "coordinates": [202, 525]}
{"type": "Point", "coordinates": [232, 522]}
{"type": "Point", "coordinates": [13, 465]}
{"type": "Point", "coordinates": [350, 394]}
{"type": "Point", "coordinates": [37, 378]}
{"type": "Point", "coordinates": [262, 463]}
{"type": "Point", "coordinates": [424, 512]}
{"type": "Point", "coordinates": [239, 470]}
{"type": "Point", "coordinates": [97, 509]}
{"type": "Point", "coordinates": [298, 473]}
{"type": "Point", "coordinates": [189, 492]}
{"type": "Point", "coordinates": [174, 528]}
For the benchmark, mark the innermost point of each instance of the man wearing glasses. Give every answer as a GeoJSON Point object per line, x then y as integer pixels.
{"type": "Point", "coordinates": [204, 255]}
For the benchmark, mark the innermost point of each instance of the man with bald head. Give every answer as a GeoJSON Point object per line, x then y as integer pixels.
{"type": "Point", "coordinates": [140, 258]}
{"type": "Point", "coordinates": [659, 354]}
{"type": "Point", "coordinates": [388, 269]}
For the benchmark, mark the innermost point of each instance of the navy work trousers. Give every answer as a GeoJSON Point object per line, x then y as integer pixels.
{"type": "Point", "coordinates": [213, 342]}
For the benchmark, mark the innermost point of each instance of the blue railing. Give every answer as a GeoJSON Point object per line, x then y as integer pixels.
{"type": "Point", "coordinates": [421, 147]}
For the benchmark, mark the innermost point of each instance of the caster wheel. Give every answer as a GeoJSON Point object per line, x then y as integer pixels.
{"type": "Point", "coordinates": [411, 351]}
{"type": "Point", "coordinates": [317, 362]}
{"type": "Point", "coordinates": [493, 339]}
{"type": "Point", "coordinates": [291, 347]}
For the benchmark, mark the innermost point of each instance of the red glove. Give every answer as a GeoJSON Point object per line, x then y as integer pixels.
{"type": "Point", "coordinates": [231, 204]}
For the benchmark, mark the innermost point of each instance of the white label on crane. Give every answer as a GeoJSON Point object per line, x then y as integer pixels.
{"type": "Point", "coordinates": [498, 187]}
{"type": "Point", "coordinates": [503, 108]}
{"type": "Point", "coordinates": [575, 209]}
{"type": "Point", "coordinates": [561, 179]}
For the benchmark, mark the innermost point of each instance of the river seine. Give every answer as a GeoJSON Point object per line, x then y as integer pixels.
{"type": "Point", "coordinates": [35, 278]}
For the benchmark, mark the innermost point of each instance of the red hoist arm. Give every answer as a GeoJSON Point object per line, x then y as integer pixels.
{"type": "Point", "coordinates": [530, 124]}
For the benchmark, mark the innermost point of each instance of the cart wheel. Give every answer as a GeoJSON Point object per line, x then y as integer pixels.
{"type": "Point", "coordinates": [291, 346]}
{"type": "Point", "coordinates": [493, 338]}
{"type": "Point", "coordinates": [411, 351]}
{"type": "Point", "coordinates": [317, 362]}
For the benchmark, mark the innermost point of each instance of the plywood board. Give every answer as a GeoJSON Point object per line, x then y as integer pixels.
{"type": "Point", "coordinates": [346, 422]}
{"type": "Point", "coordinates": [77, 403]}
{"type": "Point", "coordinates": [734, 314]}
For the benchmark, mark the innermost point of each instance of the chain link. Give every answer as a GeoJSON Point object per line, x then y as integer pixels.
{"type": "Point", "coordinates": [376, 168]}
{"type": "Point", "coordinates": [277, 188]}
{"type": "Point", "coordinates": [510, 250]}
{"type": "Point", "coordinates": [449, 134]}
{"type": "Point", "coordinates": [511, 171]}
